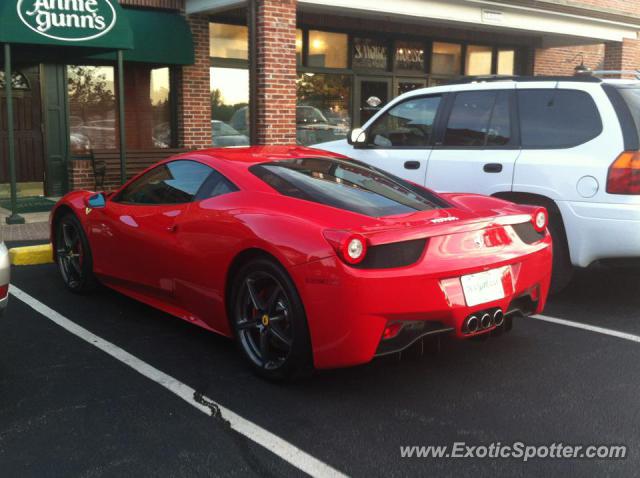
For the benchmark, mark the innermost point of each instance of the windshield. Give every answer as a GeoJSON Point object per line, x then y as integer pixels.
{"type": "Point", "coordinates": [348, 185]}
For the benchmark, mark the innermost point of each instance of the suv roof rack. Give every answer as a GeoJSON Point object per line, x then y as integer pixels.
{"type": "Point", "coordinates": [492, 78]}
{"type": "Point", "coordinates": [635, 73]}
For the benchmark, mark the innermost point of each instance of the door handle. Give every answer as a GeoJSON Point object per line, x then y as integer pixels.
{"type": "Point", "coordinates": [492, 168]}
{"type": "Point", "coordinates": [412, 165]}
{"type": "Point", "coordinates": [172, 228]}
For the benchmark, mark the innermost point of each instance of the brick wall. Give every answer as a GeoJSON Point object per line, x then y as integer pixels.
{"type": "Point", "coordinates": [276, 75]}
{"type": "Point", "coordinates": [81, 174]}
{"type": "Point", "coordinates": [562, 61]}
{"type": "Point", "coordinates": [194, 96]}
{"type": "Point", "coordinates": [622, 56]}
{"type": "Point", "coordinates": [627, 7]}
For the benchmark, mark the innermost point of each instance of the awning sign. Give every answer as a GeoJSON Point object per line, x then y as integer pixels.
{"type": "Point", "coordinates": [68, 20]}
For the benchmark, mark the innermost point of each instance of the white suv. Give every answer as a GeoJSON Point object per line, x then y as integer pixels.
{"type": "Point", "coordinates": [570, 144]}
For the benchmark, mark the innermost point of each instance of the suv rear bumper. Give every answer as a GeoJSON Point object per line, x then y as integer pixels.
{"type": "Point", "coordinates": [601, 230]}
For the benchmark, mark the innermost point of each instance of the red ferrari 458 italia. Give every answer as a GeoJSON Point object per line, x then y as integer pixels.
{"type": "Point", "coordinates": [309, 259]}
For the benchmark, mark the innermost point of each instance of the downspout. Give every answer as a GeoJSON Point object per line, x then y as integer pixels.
{"type": "Point", "coordinates": [14, 218]}
{"type": "Point", "coordinates": [121, 125]}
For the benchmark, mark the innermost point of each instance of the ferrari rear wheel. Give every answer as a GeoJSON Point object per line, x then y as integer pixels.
{"type": "Point", "coordinates": [73, 255]}
{"type": "Point", "coordinates": [269, 321]}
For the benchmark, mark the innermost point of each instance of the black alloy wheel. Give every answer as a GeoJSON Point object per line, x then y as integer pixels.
{"type": "Point", "coordinates": [73, 255]}
{"type": "Point", "coordinates": [269, 321]}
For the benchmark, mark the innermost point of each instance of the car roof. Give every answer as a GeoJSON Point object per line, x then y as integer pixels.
{"type": "Point", "coordinates": [259, 154]}
{"type": "Point", "coordinates": [233, 162]}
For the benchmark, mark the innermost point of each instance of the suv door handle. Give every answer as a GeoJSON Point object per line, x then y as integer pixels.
{"type": "Point", "coordinates": [492, 168]}
{"type": "Point", "coordinates": [412, 165]}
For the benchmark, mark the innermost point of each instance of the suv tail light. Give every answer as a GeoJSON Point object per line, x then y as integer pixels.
{"type": "Point", "coordinates": [624, 174]}
{"type": "Point", "coordinates": [351, 248]}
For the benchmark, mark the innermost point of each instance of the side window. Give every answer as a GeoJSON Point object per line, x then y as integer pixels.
{"type": "Point", "coordinates": [557, 118]}
{"type": "Point", "coordinates": [215, 185]}
{"type": "Point", "coordinates": [169, 183]}
{"type": "Point", "coordinates": [479, 118]}
{"type": "Point", "coordinates": [408, 124]}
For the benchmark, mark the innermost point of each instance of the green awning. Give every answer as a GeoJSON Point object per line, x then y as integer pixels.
{"type": "Point", "coordinates": [65, 23]}
{"type": "Point", "coordinates": [158, 37]}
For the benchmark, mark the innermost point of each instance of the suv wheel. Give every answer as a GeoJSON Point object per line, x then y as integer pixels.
{"type": "Point", "coordinates": [562, 267]}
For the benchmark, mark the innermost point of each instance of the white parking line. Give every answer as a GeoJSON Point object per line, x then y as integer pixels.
{"type": "Point", "coordinates": [285, 450]}
{"type": "Point", "coordinates": [591, 328]}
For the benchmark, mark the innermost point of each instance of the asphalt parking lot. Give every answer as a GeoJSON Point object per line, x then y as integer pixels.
{"type": "Point", "coordinates": [67, 408]}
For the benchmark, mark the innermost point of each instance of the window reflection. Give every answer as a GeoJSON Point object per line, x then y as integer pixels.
{"type": "Point", "coordinates": [478, 61]}
{"type": "Point", "coordinates": [160, 108]}
{"type": "Point", "coordinates": [229, 106]}
{"type": "Point", "coordinates": [322, 113]}
{"type": "Point", "coordinates": [370, 54]}
{"type": "Point", "coordinates": [446, 58]}
{"type": "Point", "coordinates": [92, 108]}
{"type": "Point", "coordinates": [299, 41]}
{"type": "Point", "coordinates": [228, 41]}
{"type": "Point", "coordinates": [409, 56]}
{"type": "Point", "coordinates": [506, 62]}
{"type": "Point", "coordinates": [327, 50]}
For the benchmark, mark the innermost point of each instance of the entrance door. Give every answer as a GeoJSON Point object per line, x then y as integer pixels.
{"type": "Point", "coordinates": [372, 93]}
{"type": "Point", "coordinates": [27, 125]}
{"type": "Point", "coordinates": [404, 85]}
{"type": "Point", "coordinates": [57, 131]}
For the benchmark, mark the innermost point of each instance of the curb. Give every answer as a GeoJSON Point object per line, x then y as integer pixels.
{"type": "Point", "coordinates": [31, 255]}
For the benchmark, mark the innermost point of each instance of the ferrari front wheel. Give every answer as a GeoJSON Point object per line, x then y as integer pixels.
{"type": "Point", "coordinates": [269, 321]}
{"type": "Point", "coordinates": [73, 254]}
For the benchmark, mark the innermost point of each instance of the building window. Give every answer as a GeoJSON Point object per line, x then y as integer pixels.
{"type": "Point", "coordinates": [159, 95]}
{"type": "Point", "coordinates": [299, 42]}
{"type": "Point", "coordinates": [446, 59]}
{"type": "Point", "coordinates": [370, 54]}
{"type": "Point", "coordinates": [478, 60]}
{"type": "Point", "coordinates": [228, 41]}
{"type": "Point", "coordinates": [229, 106]}
{"type": "Point", "coordinates": [409, 56]}
{"type": "Point", "coordinates": [92, 108]}
{"type": "Point", "coordinates": [322, 113]}
{"type": "Point", "coordinates": [506, 62]}
{"type": "Point", "coordinates": [18, 81]}
{"type": "Point", "coordinates": [327, 50]}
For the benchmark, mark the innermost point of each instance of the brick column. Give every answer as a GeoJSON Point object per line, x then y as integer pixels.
{"type": "Point", "coordinates": [194, 95]}
{"type": "Point", "coordinates": [81, 174]}
{"type": "Point", "coordinates": [623, 55]}
{"type": "Point", "coordinates": [276, 71]}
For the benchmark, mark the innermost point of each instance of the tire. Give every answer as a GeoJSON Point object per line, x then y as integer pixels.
{"type": "Point", "coordinates": [562, 268]}
{"type": "Point", "coordinates": [562, 272]}
{"type": "Point", "coordinates": [269, 322]}
{"type": "Point", "coordinates": [73, 255]}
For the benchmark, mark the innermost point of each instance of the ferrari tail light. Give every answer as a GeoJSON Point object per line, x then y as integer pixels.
{"type": "Point", "coordinates": [624, 174]}
{"type": "Point", "coordinates": [351, 248]}
{"type": "Point", "coordinates": [540, 219]}
{"type": "Point", "coordinates": [392, 330]}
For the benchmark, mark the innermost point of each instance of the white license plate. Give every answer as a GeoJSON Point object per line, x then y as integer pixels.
{"type": "Point", "coordinates": [483, 287]}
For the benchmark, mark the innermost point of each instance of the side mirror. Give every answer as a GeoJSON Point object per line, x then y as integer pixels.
{"type": "Point", "coordinates": [357, 136]}
{"type": "Point", "coordinates": [96, 201]}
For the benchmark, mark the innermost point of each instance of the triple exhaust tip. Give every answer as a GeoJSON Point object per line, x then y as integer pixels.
{"type": "Point", "coordinates": [486, 320]}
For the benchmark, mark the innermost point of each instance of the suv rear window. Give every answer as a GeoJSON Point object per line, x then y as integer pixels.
{"type": "Point", "coordinates": [631, 97]}
{"type": "Point", "coordinates": [556, 118]}
{"type": "Point", "coordinates": [348, 185]}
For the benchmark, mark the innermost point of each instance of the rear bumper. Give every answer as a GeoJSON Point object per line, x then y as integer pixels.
{"type": "Point", "coordinates": [348, 310]}
{"type": "Point", "coordinates": [601, 231]}
{"type": "Point", "coordinates": [5, 273]}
